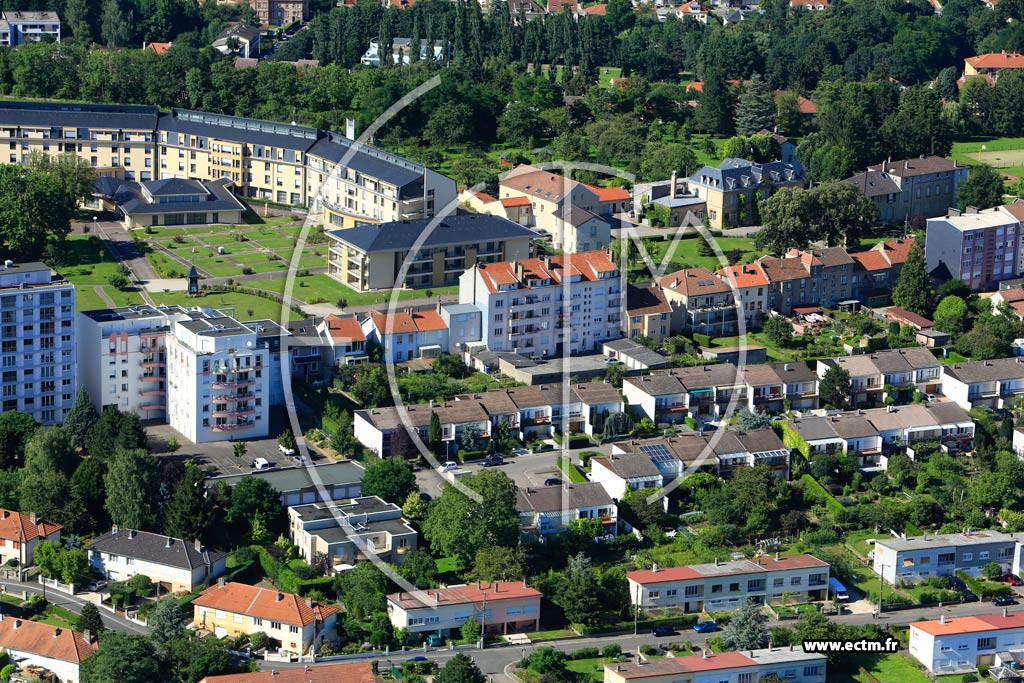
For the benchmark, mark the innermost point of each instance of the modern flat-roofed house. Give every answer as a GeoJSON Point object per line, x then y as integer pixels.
{"type": "Point", "coordinates": [954, 645]}
{"type": "Point", "coordinates": [790, 664]}
{"type": "Point", "coordinates": [982, 248]}
{"type": "Point", "coordinates": [500, 607]}
{"type": "Point", "coordinates": [723, 586]}
{"type": "Point", "coordinates": [339, 480]}
{"type": "Point", "coordinates": [922, 187]}
{"type": "Point", "coordinates": [919, 557]}
{"type": "Point", "coordinates": [30, 27]}
{"type": "Point", "coordinates": [297, 625]}
{"type": "Point", "coordinates": [990, 383]}
{"type": "Point", "coordinates": [21, 532]}
{"type": "Point", "coordinates": [418, 253]}
{"type": "Point", "coordinates": [177, 201]}
{"type": "Point", "coordinates": [549, 510]}
{"type": "Point", "coordinates": [342, 672]}
{"type": "Point", "coordinates": [348, 531]}
{"type": "Point", "coordinates": [121, 554]}
{"type": "Point", "coordinates": [35, 644]}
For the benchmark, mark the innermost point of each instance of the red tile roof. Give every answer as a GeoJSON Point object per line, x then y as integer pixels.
{"type": "Point", "coordinates": [902, 315]}
{"type": "Point", "coordinates": [698, 86]}
{"type": "Point", "coordinates": [597, 10]}
{"type": "Point", "coordinates": [588, 264]}
{"type": "Point", "coordinates": [663, 575]}
{"type": "Point", "coordinates": [18, 526]}
{"type": "Point", "coordinates": [509, 202]}
{"type": "Point", "coordinates": [802, 561]}
{"type": "Point", "coordinates": [403, 322]}
{"type": "Point", "coordinates": [960, 625]}
{"type": "Point", "coordinates": [610, 194]}
{"type": "Point", "coordinates": [997, 60]}
{"type": "Point", "coordinates": [1016, 209]}
{"type": "Point", "coordinates": [344, 329]}
{"type": "Point", "coordinates": [159, 48]}
{"type": "Point", "coordinates": [240, 598]}
{"type": "Point", "coordinates": [744, 275]}
{"type": "Point", "coordinates": [485, 198]}
{"type": "Point", "coordinates": [713, 661]}
{"type": "Point", "coordinates": [562, 5]}
{"type": "Point", "coordinates": [44, 640]}
{"type": "Point", "coordinates": [469, 593]}
{"type": "Point", "coordinates": [429, 321]}
{"type": "Point", "coordinates": [693, 282]}
{"type": "Point", "coordinates": [870, 260]}
{"type": "Point", "coordinates": [346, 672]}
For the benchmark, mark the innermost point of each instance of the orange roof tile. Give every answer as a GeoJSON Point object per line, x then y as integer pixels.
{"type": "Point", "coordinates": [1016, 209]}
{"type": "Point", "coordinates": [997, 60]}
{"type": "Point", "coordinates": [240, 598]}
{"type": "Point", "coordinates": [693, 282]}
{"type": "Point", "coordinates": [597, 10]}
{"type": "Point", "coordinates": [610, 194]}
{"type": "Point", "coordinates": [345, 672]}
{"type": "Point", "coordinates": [744, 275]}
{"type": "Point", "coordinates": [646, 576]}
{"type": "Point", "coordinates": [428, 321]}
{"type": "Point", "coordinates": [159, 48]}
{"type": "Point", "coordinates": [802, 561]}
{"type": "Point", "coordinates": [959, 625]}
{"type": "Point", "coordinates": [466, 594]}
{"type": "Point", "coordinates": [344, 329]}
{"type": "Point", "coordinates": [485, 198]}
{"type": "Point", "coordinates": [870, 260]}
{"type": "Point", "coordinates": [589, 264]}
{"type": "Point", "coordinates": [18, 526]}
{"type": "Point", "coordinates": [44, 640]}
{"type": "Point", "coordinates": [508, 202]}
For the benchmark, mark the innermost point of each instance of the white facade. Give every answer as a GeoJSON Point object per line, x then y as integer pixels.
{"type": "Point", "coordinates": [962, 644]}
{"type": "Point", "coordinates": [37, 341]}
{"type": "Point", "coordinates": [30, 27]}
{"type": "Point", "coordinates": [919, 557]}
{"type": "Point", "coordinates": [125, 553]}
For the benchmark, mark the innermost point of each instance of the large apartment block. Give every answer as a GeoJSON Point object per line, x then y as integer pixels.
{"type": "Point", "coordinates": [281, 12]}
{"type": "Point", "coordinates": [283, 163]}
{"type": "Point", "coordinates": [422, 253]}
{"type": "Point", "coordinates": [982, 248]}
{"type": "Point", "coordinates": [917, 558]}
{"type": "Point", "coordinates": [37, 341]}
{"type": "Point", "coordinates": [926, 186]}
{"type": "Point", "coordinates": [724, 586]}
{"type": "Point", "coordinates": [547, 307]}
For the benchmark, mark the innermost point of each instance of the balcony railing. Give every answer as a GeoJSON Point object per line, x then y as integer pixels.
{"type": "Point", "coordinates": [233, 385]}
{"type": "Point", "coordinates": [233, 427]}
{"type": "Point", "coordinates": [233, 413]}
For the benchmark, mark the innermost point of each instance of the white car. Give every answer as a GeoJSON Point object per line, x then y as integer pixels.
{"type": "Point", "coordinates": [260, 464]}
{"type": "Point", "coordinates": [448, 466]}
{"type": "Point", "coordinates": [284, 449]}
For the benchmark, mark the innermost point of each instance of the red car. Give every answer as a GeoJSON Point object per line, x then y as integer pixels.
{"type": "Point", "coordinates": [1014, 580]}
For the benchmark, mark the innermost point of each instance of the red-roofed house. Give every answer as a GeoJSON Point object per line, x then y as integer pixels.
{"type": "Point", "coordinates": [20, 533]}
{"type": "Point", "coordinates": [750, 285]}
{"type": "Point", "coordinates": [877, 270]}
{"type": "Point", "coordinates": [521, 307]}
{"type": "Point", "coordinates": [346, 341]}
{"type": "Point", "coordinates": [992, 63]}
{"type": "Point", "coordinates": [33, 643]}
{"type": "Point", "coordinates": [500, 607]}
{"type": "Point", "coordinates": [701, 302]}
{"type": "Point", "coordinates": [721, 586]}
{"type": "Point", "coordinates": [159, 48]}
{"type": "Point", "coordinates": [961, 644]}
{"type": "Point", "coordinates": [598, 10]}
{"type": "Point", "coordinates": [810, 5]}
{"type": "Point", "coordinates": [297, 624]}
{"type": "Point", "coordinates": [407, 334]}
{"type": "Point", "coordinates": [343, 672]}
{"type": "Point", "coordinates": [791, 664]}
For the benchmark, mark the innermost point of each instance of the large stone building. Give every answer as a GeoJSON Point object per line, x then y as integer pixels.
{"type": "Point", "coordinates": [924, 187]}
{"type": "Point", "coordinates": [731, 190]}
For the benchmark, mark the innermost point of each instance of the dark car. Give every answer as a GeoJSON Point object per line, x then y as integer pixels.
{"type": "Point", "coordinates": [662, 631]}
{"type": "Point", "coordinates": [425, 497]}
{"type": "Point", "coordinates": [968, 596]}
{"type": "Point", "coordinates": [552, 481]}
{"type": "Point", "coordinates": [705, 627]}
{"type": "Point", "coordinates": [1003, 601]}
{"type": "Point", "coordinates": [493, 460]}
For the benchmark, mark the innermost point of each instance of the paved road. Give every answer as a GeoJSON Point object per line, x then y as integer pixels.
{"type": "Point", "coordinates": [73, 603]}
{"type": "Point", "coordinates": [125, 250]}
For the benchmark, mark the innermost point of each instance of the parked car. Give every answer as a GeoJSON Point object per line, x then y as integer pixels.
{"type": "Point", "coordinates": [552, 481]}
{"type": "Point", "coordinates": [260, 464]}
{"type": "Point", "coordinates": [705, 627]}
{"type": "Point", "coordinates": [1003, 601]}
{"type": "Point", "coordinates": [285, 450]}
{"type": "Point", "coordinates": [425, 497]}
{"type": "Point", "coordinates": [493, 460]}
{"type": "Point", "coordinates": [611, 361]}
{"type": "Point", "coordinates": [418, 658]}
{"type": "Point", "coordinates": [448, 466]}
{"type": "Point", "coordinates": [604, 537]}
{"type": "Point", "coordinates": [97, 586]}
{"type": "Point", "coordinates": [1014, 580]}
{"type": "Point", "coordinates": [662, 631]}
{"type": "Point", "coordinates": [434, 640]}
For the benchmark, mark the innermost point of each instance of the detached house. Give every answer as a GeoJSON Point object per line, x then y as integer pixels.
{"type": "Point", "coordinates": [701, 302]}
{"type": "Point", "coordinates": [121, 554]}
{"type": "Point", "coordinates": [499, 607]}
{"type": "Point", "coordinates": [731, 189]}
{"type": "Point", "coordinates": [407, 334]}
{"type": "Point", "coordinates": [345, 341]}
{"type": "Point", "coordinates": [297, 625]}
{"type": "Point", "coordinates": [20, 533]}
{"type": "Point", "coordinates": [963, 644]}
{"type": "Point", "coordinates": [919, 557]}
{"type": "Point", "coordinates": [549, 510]}
{"type": "Point", "coordinates": [348, 531]}
{"type": "Point", "coordinates": [35, 644]}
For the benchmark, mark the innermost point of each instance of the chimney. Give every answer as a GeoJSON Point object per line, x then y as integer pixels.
{"type": "Point", "coordinates": [280, 597]}
{"type": "Point", "coordinates": [220, 582]}
{"type": "Point", "coordinates": [776, 555]}
{"type": "Point", "coordinates": [113, 530]}
{"type": "Point", "coordinates": [478, 585]}
{"type": "Point", "coordinates": [199, 545]}
{"type": "Point", "coordinates": [87, 636]}
{"type": "Point", "coordinates": [7, 513]}
{"type": "Point", "coordinates": [309, 602]}
{"type": "Point", "coordinates": [350, 129]}
{"type": "Point", "coordinates": [704, 654]}
{"type": "Point", "coordinates": [1006, 612]}
{"type": "Point", "coordinates": [167, 543]}
{"type": "Point", "coordinates": [672, 187]}
{"type": "Point", "coordinates": [654, 568]}
{"type": "Point", "coordinates": [437, 596]}
{"type": "Point", "coordinates": [17, 623]}
{"type": "Point", "coordinates": [942, 619]}
{"type": "Point", "coordinates": [716, 561]}
{"type": "Point", "coordinates": [32, 517]}
{"type": "Point", "coordinates": [56, 633]}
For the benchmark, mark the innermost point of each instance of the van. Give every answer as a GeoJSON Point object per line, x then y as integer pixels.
{"type": "Point", "coordinates": [435, 640]}
{"type": "Point", "coordinates": [260, 464]}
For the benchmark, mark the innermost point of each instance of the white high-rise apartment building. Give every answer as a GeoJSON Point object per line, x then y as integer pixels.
{"type": "Point", "coordinates": [547, 307]}
{"type": "Point", "coordinates": [37, 341]}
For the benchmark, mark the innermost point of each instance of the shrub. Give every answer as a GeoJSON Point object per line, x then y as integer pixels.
{"type": "Point", "coordinates": [611, 650]}
{"type": "Point", "coordinates": [246, 270]}
{"type": "Point", "coordinates": [7, 672]}
{"type": "Point", "coordinates": [585, 457]}
{"type": "Point", "coordinates": [120, 281]}
{"type": "Point", "coordinates": [648, 650]}
{"type": "Point", "coordinates": [585, 653]}
{"type": "Point", "coordinates": [258, 640]}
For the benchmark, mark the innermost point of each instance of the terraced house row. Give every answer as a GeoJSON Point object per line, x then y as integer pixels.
{"type": "Point", "coordinates": [283, 163]}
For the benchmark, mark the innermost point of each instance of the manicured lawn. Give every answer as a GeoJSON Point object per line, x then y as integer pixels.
{"type": "Point", "coordinates": [594, 668]}
{"type": "Point", "coordinates": [57, 616]}
{"type": "Point", "coordinates": [89, 261]}
{"type": "Point", "coordinates": [607, 74]}
{"type": "Point", "coordinates": [87, 300]}
{"type": "Point", "coordinates": [551, 635]}
{"type": "Point", "coordinates": [684, 253]}
{"type": "Point", "coordinates": [571, 471]}
{"type": "Point", "coordinates": [247, 306]}
{"type": "Point", "coordinates": [858, 540]}
{"type": "Point", "coordinates": [756, 339]}
{"type": "Point", "coordinates": [1004, 154]}
{"type": "Point", "coordinates": [448, 564]}
{"type": "Point", "coordinates": [891, 668]}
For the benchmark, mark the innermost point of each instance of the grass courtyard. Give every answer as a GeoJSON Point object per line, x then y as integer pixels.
{"type": "Point", "coordinates": [1004, 154]}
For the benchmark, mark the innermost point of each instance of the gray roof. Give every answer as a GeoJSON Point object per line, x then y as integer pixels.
{"type": "Point", "coordinates": [946, 540]}
{"type": "Point", "coordinates": [735, 173]}
{"type": "Point", "coordinates": [295, 478]}
{"type": "Point", "coordinates": [874, 183]}
{"type": "Point", "coordinates": [60, 115]}
{"type": "Point", "coordinates": [796, 371]}
{"type": "Point", "coordinates": [657, 384]}
{"type": "Point", "coordinates": [132, 312]}
{"type": "Point", "coordinates": [174, 187]}
{"type": "Point", "coordinates": [459, 229]}
{"type": "Point", "coordinates": [243, 31]}
{"type": "Point", "coordinates": [155, 548]}
{"type": "Point", "coordinates": [630, 465]}
{"type": "Point", "coordinates": [815, 428]}
{"type": "Point", "coordinates": [987, 370]}
{"type": "Point", "coordinates": [130, 199]}
{"type": "Point", "coordinates": [676, 202]}
{"type": "Point", "coordinates": [401, 173]}
{"type": "Point", "coordinates": [566, 497]}
{"type": "Point", "coordinates": [237, 129]}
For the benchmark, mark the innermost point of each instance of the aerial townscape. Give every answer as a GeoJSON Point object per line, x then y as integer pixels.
{"type": "Point", "coordinates": [496, 341]}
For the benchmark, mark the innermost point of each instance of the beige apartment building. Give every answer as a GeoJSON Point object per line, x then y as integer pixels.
{"type": "Point", "coordinates": [281, 12]}
{"type": "Point", "coordinates": [732, 189]}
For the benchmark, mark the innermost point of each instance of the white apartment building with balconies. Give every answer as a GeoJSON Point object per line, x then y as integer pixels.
{"type": "Point", "coordinates": [37, 341]}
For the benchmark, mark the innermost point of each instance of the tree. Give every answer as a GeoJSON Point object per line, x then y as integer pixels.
{"type": "Point", "coordinates": [918, 127]}
{"type": "Point", "coordinates": [434, 434]}
{"type": "Point", "coordinates": [715, 104]}
{"type": "Point", "coordinates": [459, 525]}
{"type": "Point", "coordinates": [390, 478]}
{"type": "Point", "coordinates": [843, 212]}
{"type": "Point", "coordinates": [951, 315]}
{"type": "Point", "coordinates": [192, 658]}
{"type": "Point", "coordinates": [577, 593]}
{"type": "Point", "coordinates": [415, 508]}
{"type": "Point", "coordinates": [982, 189]}
{"type": "Point", "coordinates": [90, 620]}
{"type": "Point", "coordinates": [362, 589]}
{"type": "Point", "coordinates": [471, 631]}
{"type": "Point", "coordinates": [778, 330]}
{"type": "Point", "coordinates": [47, 494]}
{"type": "Point", "coordinates": [88, 492]}
{"type": "Point", "coordinates": [80, 418]}
{"type": "Point", "coordinates": [188, 511]}
{"type": "Point", "coordinates": [502, 439]}
{"type": "Point", "coordinates": [746, 419]}
{"type": "Point", "coordinates": [124, 658]}
{"type": "Point", "coordinates": [50, 450]}
{"type": "Point", "coordinates": [914, 290]}
{"type": "Point", "coordinates": [547, 661]}
{"type": "Point", "coordinates": [460, 669]}
{"type": "Point", "coordinates": [58, 562]}
{"type": "Point", "coordinates": [755, 109]}
{"type": "Point", "coordinates": [166, 623]}
{"type": "Point", "coordinates": [132, 482]}
{"type": "Point", "coordinates": [660, 159]}
{"type": "Point", "coordinates": [787, 221]}
{"type": "Point", "coordinates": [239, 449]}
{"type": "Point", "coordinates": [835, 389]}
{"type": "Point", "coordinates": [499, 564]}
{"type": "Point", "coordinates": [519, 124]}
{"type": "Point", "coordinates": [287, 440]}
{"type": "Point", "coordinates": [992, 570]}
{"type": "Point", "coordinates": [449, 124]}
{"type": "Point", "coordinates": [747, 630]}
{"type": "Point", "coordinates": [15, 431]}
{"type": "Point", "coordinates": [114, 430]}
{"type": "Point", "coordinates": [419, 568]}
{"type": "Point", "coordinates": [254, 499]}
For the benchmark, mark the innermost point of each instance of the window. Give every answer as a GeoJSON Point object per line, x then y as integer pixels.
{"type": "Point", "coordinates": [968, 557]}
{"type": "Point", "coordinates": [256, 621]}
{"type": "Point", "coordinates": [986, 643]}
{"type": "Point", "coordinates": [275, 625]}
{"type": "Point", "coordinates": [293, 629]}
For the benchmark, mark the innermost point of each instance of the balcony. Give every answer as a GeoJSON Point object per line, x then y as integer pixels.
{"type": "Point", "coordinates": [233, 385]}
{"type": "Point", "coordinates": [674, 408]}
{"type": "Point", "coordinates": [153, 406]}
{"type": "Point", "coordinates": [234, 427]}
{"type": "Point", "coordinates": [153, 364]}
{"type": "Point", "coordinates": [225, 398]}
{"type": "Point", "coordinates": [536, 420]}
{"type": "Point", "coordinates": [234, 413]}
{"type": "Point", "coordinates": [772, 396]}
{"type": "Point", "coordinates": [152, 378]}
{"type": "Point", "coordinates": [152, 392]}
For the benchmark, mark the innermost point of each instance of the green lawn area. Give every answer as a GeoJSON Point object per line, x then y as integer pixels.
{"type": "Point", "coordinates": [571, 471]}
{"type": "Point", "coordinates": [684, 254]}
{"type": "Point", "coordinates": [448, 564]}
{"type": "Point", "coordinates": [890, 668]}
{"type": "Point", "coordinates": [478, 381]}
{"type": "Point", "coordinates": [57, 616]}
{"type": "Point", "coordinates": [594, 667]}
{"type": "Point", "coordinates": [756, 339]}
{"type": "Point", "coordinates": [1005, 154]}
{"type": "Point", "coordinates": [607, 74]}
{"type": "Point", "coordinates": [858, 540]}
{"type": "Point", "coordinates": [551, 635]}
{"type": "Point", "coordinates": [953, 357]}
{"type": "Point", "coordinates": [247, 306]}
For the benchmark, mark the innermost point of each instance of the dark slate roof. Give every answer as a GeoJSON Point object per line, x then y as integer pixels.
{"type": "Point", "coordinates": [236, 129]}
{"type": "Point", "coordinates": [372, 162]}
{"type": "Point", "coordinates": [173, 187]}
{"type": "Point", "coordinates": [60, 115]}
{"type": "Point", "coordinates": [155, 548]}
{"type": "Point", "coordinates": [731, 173]}
{"type": "Point", "coordinates": [129, 198]}
{"type": "Point", "coordinates": [106, 186]}
{"type": "Point", "coordinates": [874, 183]}
{"type": "Point", "coordinates": [460, 229]}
